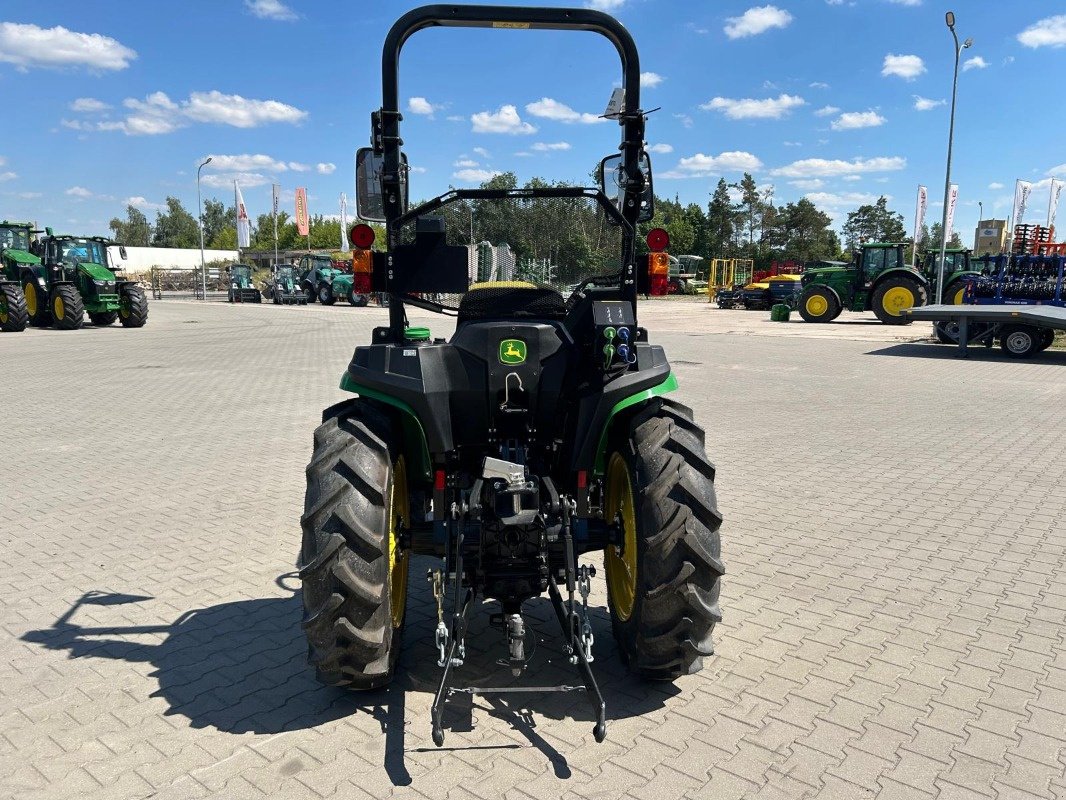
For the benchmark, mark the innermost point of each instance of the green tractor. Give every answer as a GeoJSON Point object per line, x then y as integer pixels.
{"type": "Point", "coordinates": [316, 276]}
{"type": "Point", "coordinates": [957, 273]}
{"type": "Point", "coordinates": [283, 288]}
{"type": "Point", "coordinates": [539, 432]}
{"type": "Point", "coordinates": [241, 288]}
{"type": "Point", "coordinates": [77, 276]}
{"type": "Point", "coordinates": [876, 280]}
{"type": "Point", "coordinates": [15, 256]}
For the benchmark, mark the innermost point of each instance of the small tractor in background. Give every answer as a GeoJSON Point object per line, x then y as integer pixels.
{"type": "Point", "coordinates": [76, 276]}
{"type": "Point", "coordinates": [958, 271]}
{"type": "Point", "coordinates": [283, 288]}
{"type": "Point", "coordinates": [317, 272]}
{"type": "Point", "coordinates": [876, 280]}
{"type": "Point", "coordinates": [15, 256]}
{"type": "Point", "coordinates": [354, 286]}
{"type": "Point", "coordinates": [241, 288]}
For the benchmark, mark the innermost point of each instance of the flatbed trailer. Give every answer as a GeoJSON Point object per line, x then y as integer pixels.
{"type": "Point", "coordinates": [1023, 330]}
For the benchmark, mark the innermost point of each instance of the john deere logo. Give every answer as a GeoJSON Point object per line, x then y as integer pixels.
{"type": "Point", "coordinates": [512, 351]}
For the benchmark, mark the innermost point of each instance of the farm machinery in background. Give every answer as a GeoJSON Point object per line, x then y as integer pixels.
{"type": "Point", "coordinates": [353, 285]}
{"type": "Point", "coordinates": [241, 287]}
{"type": "Point", "coordinates": [780, 283]}
{"type": "Point", "coordinates": [15, 258]}
{"type": "Point", "coordinates": [283, 288]}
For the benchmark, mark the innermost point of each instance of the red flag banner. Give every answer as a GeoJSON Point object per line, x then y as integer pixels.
{"type": "Point", "coordinates": [302, 223]}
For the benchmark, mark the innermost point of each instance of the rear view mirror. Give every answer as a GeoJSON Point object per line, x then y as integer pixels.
{"type": "Point", "coordinates": [369, 203]}
{"type": "Point", "coordinates": [613, 184]}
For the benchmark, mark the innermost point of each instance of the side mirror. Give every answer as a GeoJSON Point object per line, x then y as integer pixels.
{"type": "Point", "coordinates": [369, 204]}
{"type": "Point", "coordinates": [613, 184]}
{"type": "Point", "coordinates": [122, 251]}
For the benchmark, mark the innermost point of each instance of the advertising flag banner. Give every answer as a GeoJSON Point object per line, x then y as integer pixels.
{"type": "Point", "coordinates": [1053, 206]}
{"type": "Point", "coordinates": [303, 224]}
{"type": "Point", "coordinates": [344, 222]}
{"type": "Point", "coordinates": [1022, 190]}
{"type": "Point", "coordinates": [919, 215]}
{"type": "Point", "coordinates": [953, 199]}
{"type": "Point", "coordinates": [276, 191]}
{"type": "Point", "coordinates": [244, 225]}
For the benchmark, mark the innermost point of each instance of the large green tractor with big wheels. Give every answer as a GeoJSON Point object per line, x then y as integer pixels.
{"type": "Point", "coordinates": [878, 279]}
{"type": "Point", "coordinates": [539, 432]}
{"type": "Point", "coordinates": [16, 241]}
{"type": "Point", "coordinates": [76, 276]}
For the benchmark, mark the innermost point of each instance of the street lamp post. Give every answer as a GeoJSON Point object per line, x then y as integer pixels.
{"type": "Point", "coordinates": [949, 18]}
{"type": "Point", "coordinates": [200, 220]}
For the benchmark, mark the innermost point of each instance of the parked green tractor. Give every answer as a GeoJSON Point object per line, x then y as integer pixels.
{"type": "Point", "coordinates": [316, 276]}
{"type": "Point", "coordinates": [876, 280]}
{"type": "Point", "coordinates": [241, 287]}
{"type": "Point", "coordinates": [957, 273]}
{"type": "Point", "coordinates": [76, 276]}
{"type": "Point", "coordinates": [283, 288]}
{"type": "Point", "coordinates": [15, 255]}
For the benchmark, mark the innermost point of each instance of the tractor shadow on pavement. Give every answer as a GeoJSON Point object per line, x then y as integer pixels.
{"type": "Point", "coordinates": [240, 667]}
{"type": "Point", "coordinates": [976, 352]}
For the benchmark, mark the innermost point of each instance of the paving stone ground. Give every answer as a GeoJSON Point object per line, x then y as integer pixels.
{"type": "Point", "coordinates": [894, 603]}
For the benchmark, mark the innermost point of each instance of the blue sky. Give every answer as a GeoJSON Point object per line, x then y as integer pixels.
{"type": "Point", "coordinates": [837, 100]}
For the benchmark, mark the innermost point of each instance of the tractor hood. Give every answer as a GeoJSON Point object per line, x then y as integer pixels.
{"type": "Point", "coordinates": [811, 275]}
{"type": "Point", "coordinates": [21, 257]}
{"type": "Point", "coordinates": [96, 272]}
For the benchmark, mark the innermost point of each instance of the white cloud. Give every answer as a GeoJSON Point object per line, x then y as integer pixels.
{"type": "Point", "coordinates": [88, 105]}
{"type": "Point", "coordinates": [792, 144]}
{"type": "Point", "coordinates": [325, 168]}
{"type": "Point", "coordinates": [748, 108]}
{"type": "Point", "coordinates": [852, 178]}
{"type": "Point", "coordinates": [649, 80]}
{"type": "Point", "coordinates": [504, 120]}
{"type": "Point", "coordinates": [26, 46]}
{"type": "Point", "coordinates": [1048, 32]}
{"type": "Point", "coordinates": [995, 185]}
{"type": "Point", "coordinates": [474, 175]}
{"type": "Point", "coordinates": [140, 202]}
{"type": "Point", "coordinates": [232, 109]}
{"type": "Point", "coordinates": [822, 167]}
{"type": "Point", "coordinates": [420, 105]}
{"type": "Point", "coordinates": [270, 9]}
{"type": "Point", "coordinates": [8, 176]}
{"type": "Point", "coordinates": [826, 111]}
{"type": "Point", "coordinates": [464, 163]}
{"type": "Point", "coordinates": [906, 67]}
{"type": "Point", "coordinates": [808, 184]}
{"type": "Point", "coordinates": [819, 85]}
{"type": "Point", "coordinates": [685, 120]}
{"type": "Point", "coordinates": [661, 148]}
{"type": "Point", "coordinates": [851, 120]}
{"type": "Point", "coordinates": [974, 63]}
{"type": "Point", "coordinates": [1059, 170]}
{"type": "Point", "coordinates": [906, 2]}
{"type": "Point", "coordinates": [158, 114]}
{"type": "Point", "coordinates": [837, 199]}
{"type": "Point", "coordinates": [481, 151]}
{"type": "Point", "coordinates": [605, 5]}
{"type": "Point", "coordinates": [225, 180]}
{"type": "Point", "coordinates": [78, 191]}
{"type": "Point", "coordinates": [925, 104]}
{"type": "Point", "coordinates": [545, 147]}
{"type": "Point", "coordinates": [756, 20]}
{"type": "Point", "coordinates": [245, 163]}
{"type": "Point", "coordinates": [30, 195]}
{"type": "Point", "coordinates": [548, 108]}
{"type": "Point", "coordinates": [296, 166]}
{"type": "Point", "coordinates": [701, 166]}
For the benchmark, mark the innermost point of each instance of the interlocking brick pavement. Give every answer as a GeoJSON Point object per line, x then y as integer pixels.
{"type": "Point", "coordinates": [894, 605]}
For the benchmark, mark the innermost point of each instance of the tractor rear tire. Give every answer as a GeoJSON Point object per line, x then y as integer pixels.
{"type": "Point", "coordinates": [664, 597]}
{"type": "Point", "coordinates": [68, 311]}
{"type": "Point", "coordinates": [102, 319]}
{"type": "Point", "coordinates": [133, 307]}
{"type": "Point", "coordinates": [1020, 341]}
{"type": "Point", "coordinates": [357, 300]}
{"type": "Point", "coordinates": [325, 295]}
{"type": "Point", "coordinates": [13, 315]}
{"type": "Point", "coordinates": [818, 304]}
{"type": "Point", "coordinates": [894, 294]}
{"type": "Point", "coordinates": [954, 294]}
{"type": "Point", "coordinates": [354, 577]}
{"type": "Point", "coordinates": [36, 304]}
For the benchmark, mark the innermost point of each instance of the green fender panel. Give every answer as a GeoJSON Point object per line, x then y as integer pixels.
{"type": "Point", "coordinates": [668, 385]}
{"type": "Point", "coordinates": [414, 436]}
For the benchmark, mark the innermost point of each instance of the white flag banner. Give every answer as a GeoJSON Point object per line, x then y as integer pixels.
{"type": "Point", "coordinates": [919, 215]}
{"type": "Point", "coordinates": [1053, 206]}
{"type": "Point", "coordinates": [1022, 190]}
{"type": "Point", "coordinates": [276, 192]}
{"type": "Point", "coordinates": [344, 223]}
{"type": "Point", "coordinates": [244, 225]}
{"type": "Point", "coordinates": [953, 199]}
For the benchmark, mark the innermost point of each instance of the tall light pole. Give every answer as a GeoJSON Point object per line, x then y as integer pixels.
{"type": "Point", "coordinates": [200, 220]}
{"type": "Point", "coordinates": [949, 18]}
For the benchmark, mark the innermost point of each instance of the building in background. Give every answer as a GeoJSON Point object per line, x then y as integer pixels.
{"type": "Point", "coordinates": [990, 238]}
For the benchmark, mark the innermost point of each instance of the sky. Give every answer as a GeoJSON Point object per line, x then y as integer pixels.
{"type": "Point", "coordinates": [839, 101]}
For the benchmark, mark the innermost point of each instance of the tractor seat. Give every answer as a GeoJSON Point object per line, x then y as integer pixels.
{"type": "Point", "coordinates": [494, 299]}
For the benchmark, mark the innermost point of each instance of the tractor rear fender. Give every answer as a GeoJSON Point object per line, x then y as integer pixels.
{"type": "Point", "coordinates": [622, 411]}
{"type": "Point", "coordinates": [415, 446]}
{"type": "Point", "coordinates": [896, 272]}
{"type": "Point", "coordinates": [829, 288]}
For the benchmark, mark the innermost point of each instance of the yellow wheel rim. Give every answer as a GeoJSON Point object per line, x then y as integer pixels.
{"type": "Point", "coordinates": [817, 305]}
{"type": "Point", "coordinates": [956, 299]}
{"type": "Point", "coordinates": [621, 563]}
{"type": "Point", "coordinates": [399, 513]}
{"type": "Point", "coordinates": [30, 291]}
{"type": "Point", "coordinates": [58, 307]}
{"type": "Point", "coordinates": [896, 299]}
